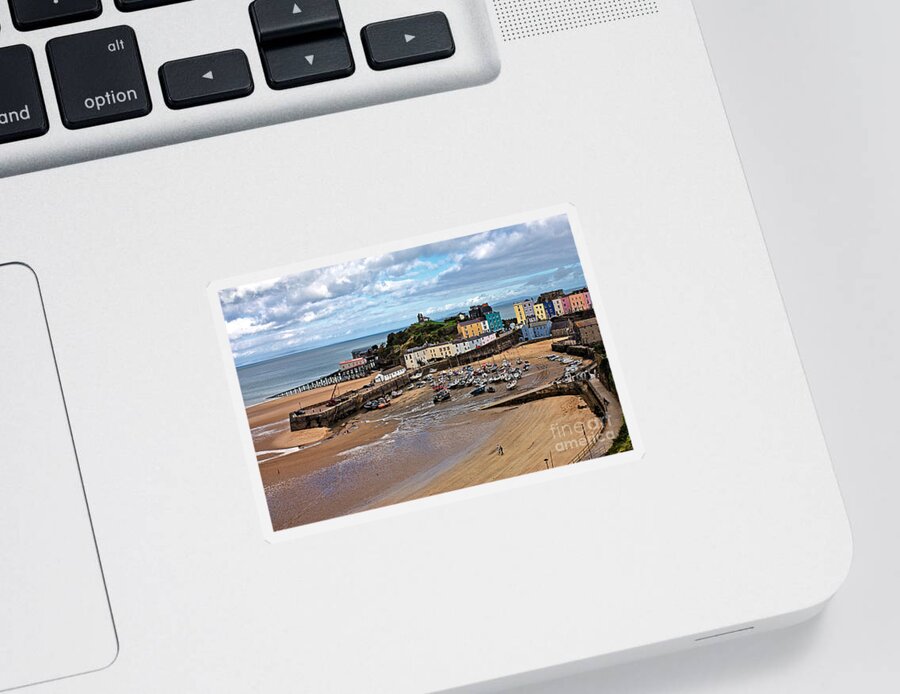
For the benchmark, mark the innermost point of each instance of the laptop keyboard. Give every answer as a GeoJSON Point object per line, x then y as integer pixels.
{"type": "Point", "coordinates": [102, 76]}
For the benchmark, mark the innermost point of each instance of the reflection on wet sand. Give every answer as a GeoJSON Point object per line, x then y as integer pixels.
{"type": "Point", "coordinates": [416, 447]}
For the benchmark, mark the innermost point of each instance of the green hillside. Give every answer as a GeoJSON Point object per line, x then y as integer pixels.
{"type": "Point", "coordinates": [415, 335]}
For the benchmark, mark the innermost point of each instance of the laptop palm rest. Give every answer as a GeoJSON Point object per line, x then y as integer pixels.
{"type": "Point", "coordinates": [55, 619]}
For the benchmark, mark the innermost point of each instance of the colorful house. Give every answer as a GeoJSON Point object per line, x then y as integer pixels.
{"type": "Point", "coordinates": [558, 306]}
{"type": "Point", "coordinates": [444, 350]}
{"type": "Point", "coordinates": [472, 327]}
{"type": "Point", "coordinates": [524, 311]}
{"type": "Point", "coordinates": [580, 300]}
{"type": "Point", "coordinates": [494, 321]}
{"type": "Point", "coordinates": [536, 329]}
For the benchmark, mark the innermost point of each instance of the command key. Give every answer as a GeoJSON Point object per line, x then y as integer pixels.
{"type": "Point", "coordinates": [21, 104]}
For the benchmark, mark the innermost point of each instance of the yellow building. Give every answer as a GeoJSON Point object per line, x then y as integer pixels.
{"type": "Point", "coordinates": [441, 351]}
{"type": "Point", "coordinates": [540, 312]}
{"type": "Point", "coordinates": [472, 328]}
{"type": "Point", "coordinates": [524, 311]}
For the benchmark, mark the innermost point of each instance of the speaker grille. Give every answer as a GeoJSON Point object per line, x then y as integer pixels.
{"type": "Point", "coordinates": [521, 19]}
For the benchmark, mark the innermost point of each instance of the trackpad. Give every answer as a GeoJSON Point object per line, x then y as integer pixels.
{"type": "Point", "coordinates": [55, 619]}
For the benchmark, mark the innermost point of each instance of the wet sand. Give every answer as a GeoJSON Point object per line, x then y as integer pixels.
{"type": "Point", "coordinates": [414, 448]}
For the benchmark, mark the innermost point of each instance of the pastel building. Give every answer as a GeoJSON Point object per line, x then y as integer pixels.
{"type": "Point", "coordinates": [536, 329]}
{"type": "Point", "coordinates": [494, 321]}
{"type": "Point", "coordinates": [472, 327]}
{"type": "Point", "coordinates": [558, 306]}
{"type": "Point", "coordinates": [414, 358]}
{"type": "Point", "coordinates": [524, 311]}
{"type": "Point", "coordinates": [485, 339]}
{"type": "Point", "coordinates": [580, 300]}
{"type": "Point", "coordinates": [465, 344]}
{"type": "Point", "coordinates": [445, 350]}
{"type": "Point", "coordinates": [548, 310]}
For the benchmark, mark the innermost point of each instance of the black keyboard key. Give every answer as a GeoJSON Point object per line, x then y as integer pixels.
{"type": "Point", "coordinates": [408, 40]}
{"type": "Point", "coordinates": [131, 5]}
{"type": "Point", "coordinates": [297, 64]}
{"type": "Point", "coordinates": [206, 79]}
{"type": "Point", "coordinates": [22, 111]}
{"type": "Point", "coordinates": [99, 77]}
{"type": "Point", "coordinates": [37, 14]}
{"type": "Point", "coordinates": [285, 19]}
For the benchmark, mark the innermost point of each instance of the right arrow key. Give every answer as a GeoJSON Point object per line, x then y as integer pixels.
{"type": "Point", "coordinates": [408, 40]}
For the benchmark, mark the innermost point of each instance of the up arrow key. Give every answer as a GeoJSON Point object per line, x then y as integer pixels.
{"type": "Point", "coordinates": [408, 37]}
{"type": "Point", "coordinates": [296, 9]}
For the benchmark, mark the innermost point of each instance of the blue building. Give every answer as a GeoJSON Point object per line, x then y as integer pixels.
{"type": "Point", "coordinates": [549, 309]}
{"type": "Point", "coordinates": [534, 330]}
{"type": "Point", "coordinates": [494, 321]}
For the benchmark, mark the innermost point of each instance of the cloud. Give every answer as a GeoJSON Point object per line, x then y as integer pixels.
{"type": "Point", "coordinates": [239, 327]}
{"type": "Point", "coordinates": [374, 294]}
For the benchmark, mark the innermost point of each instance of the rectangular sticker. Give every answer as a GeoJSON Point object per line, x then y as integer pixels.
{"type": "Point", "coordinates": [409, 372]}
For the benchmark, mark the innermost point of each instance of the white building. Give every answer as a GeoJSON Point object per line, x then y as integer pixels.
{"type": "Point", "coordinates": [414, 358]}
{"type": "Point", "coordinates": [465, 344]}
{"type": "Point", "coordinates": [390, 375]}
{"type": "Point", "coordinates": [485, 339]}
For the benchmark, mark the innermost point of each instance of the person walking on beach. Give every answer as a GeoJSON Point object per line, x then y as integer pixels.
{"type": "Point", "coordinates": [499, 449]}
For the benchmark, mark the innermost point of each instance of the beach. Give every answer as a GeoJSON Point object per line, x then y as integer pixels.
{"type": "Point", "coordinates": [415, 448]}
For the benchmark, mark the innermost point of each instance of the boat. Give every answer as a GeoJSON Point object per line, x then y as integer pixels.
{"type": "Point", "coordinates": [478, 391]}
{"type": "Point", "coordinates": [512, 384]}
{"type": "Point", "coordinates": [441, 396]}
{"type": "Point", "coordinates": [396, 393]}
{"type": "Point", "coordinates": [491, 389]}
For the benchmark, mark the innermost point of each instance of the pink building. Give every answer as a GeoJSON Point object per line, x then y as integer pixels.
{"type": "Point", "coordinates": [580, 300]}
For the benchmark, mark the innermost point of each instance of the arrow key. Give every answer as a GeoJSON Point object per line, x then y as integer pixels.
{"type": "Point", "coordinates": [408, 40]}
{"type": "Point", "coordinates": [297, 64]}
{"type": "Point", "coordinates": [206, 79]}
{"type": "Point", "coordinates": [274, 20]}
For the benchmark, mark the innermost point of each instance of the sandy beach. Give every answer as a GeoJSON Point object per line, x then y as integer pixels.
{"type": "Point", "coordinates": [414, 448]}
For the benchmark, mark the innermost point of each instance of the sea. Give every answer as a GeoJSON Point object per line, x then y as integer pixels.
{"type": "Point", "coordinates": [264, 379]}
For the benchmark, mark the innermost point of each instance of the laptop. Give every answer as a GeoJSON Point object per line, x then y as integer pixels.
{"type": "Point", "coordinates": [387, 347]}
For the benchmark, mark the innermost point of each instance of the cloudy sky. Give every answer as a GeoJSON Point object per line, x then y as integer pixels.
{"type": "Point", "coordinates": [380, 293]}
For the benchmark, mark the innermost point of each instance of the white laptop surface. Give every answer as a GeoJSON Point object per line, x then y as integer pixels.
{"type": "Point", "coordinates": [471, 364]}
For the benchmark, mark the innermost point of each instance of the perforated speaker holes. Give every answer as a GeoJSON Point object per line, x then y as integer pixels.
{"type": "Point", "coordinates": [521, 19]}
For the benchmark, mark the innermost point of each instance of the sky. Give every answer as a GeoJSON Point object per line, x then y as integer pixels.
{"type": "Point", "coordinates": [375, 294]}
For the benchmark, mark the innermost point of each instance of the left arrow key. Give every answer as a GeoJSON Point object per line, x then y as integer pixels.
{"type": "Point", "coordinates": [206, 79]}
